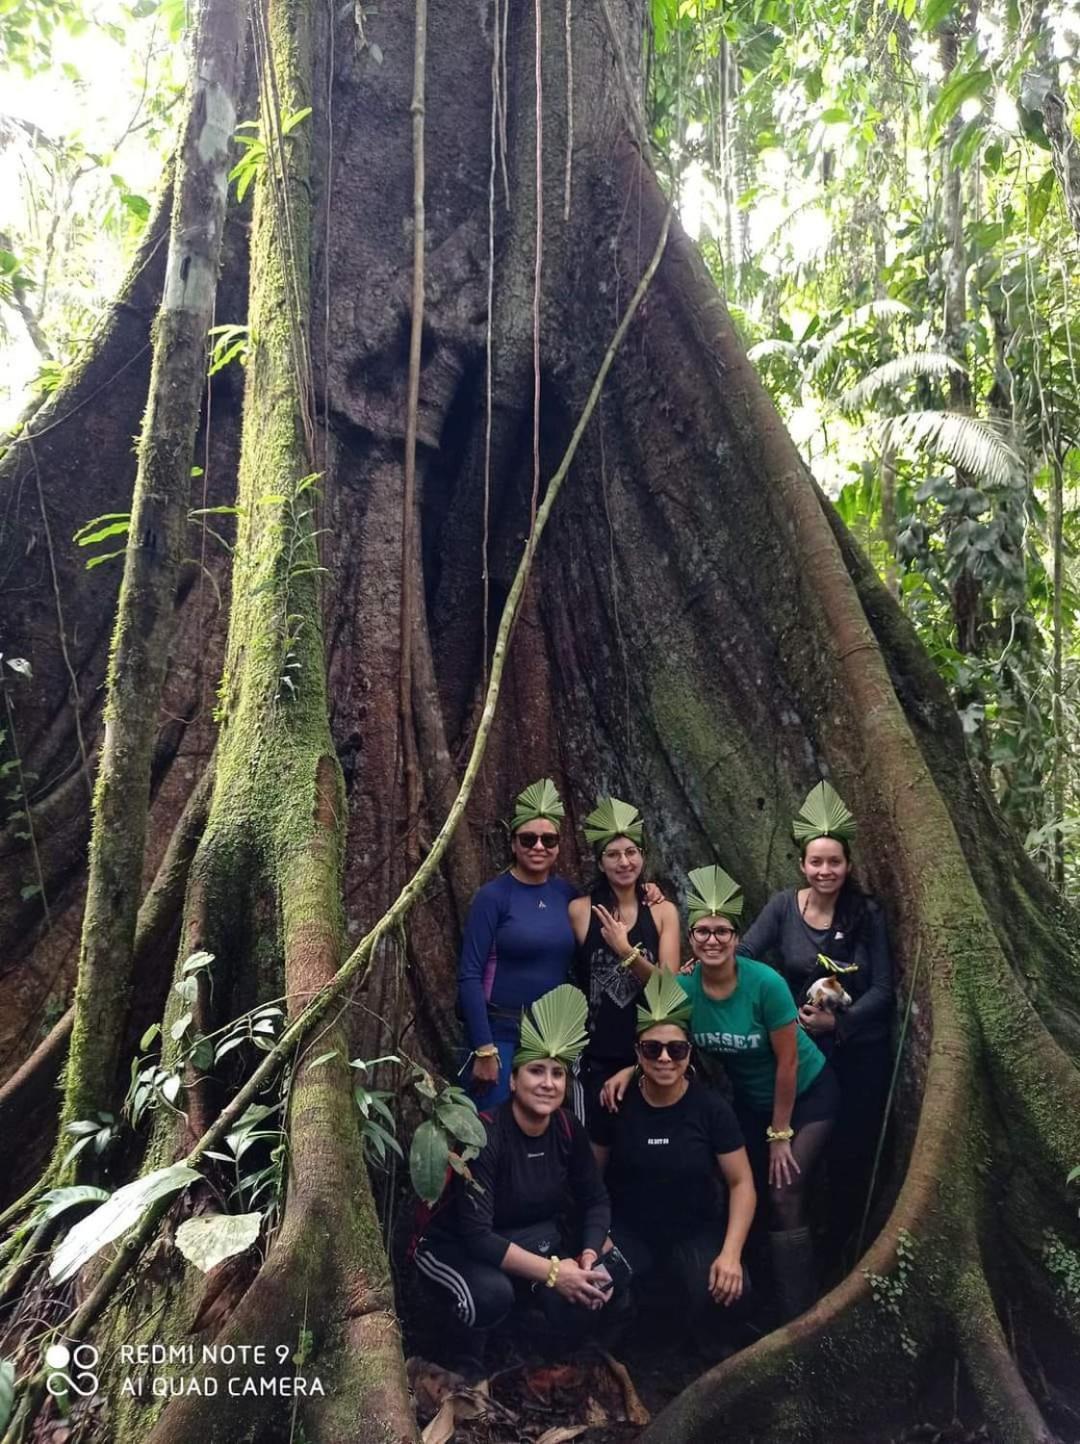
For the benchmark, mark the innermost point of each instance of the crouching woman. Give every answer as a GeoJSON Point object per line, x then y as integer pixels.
{"type": "Point", "coordinates": [682, 1190]}
{"type": "Point", "coordinates": [503, 1238]}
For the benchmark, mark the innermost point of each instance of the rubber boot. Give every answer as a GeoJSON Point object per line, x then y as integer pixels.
{"type": "Point", "coordinates": [794, 1271]}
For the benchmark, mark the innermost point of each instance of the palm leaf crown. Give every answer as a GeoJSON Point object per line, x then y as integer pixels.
{"type": "Point", "coordinates": [539, 799]}
{"type": "Point", "coordinates": [612, 818]}
{"type": "Point", "coordinates": [665, 1002]}
{"type": "Point", "coordinates": [823, 814]}
{"type": "Point", "coordinates": [554, 1027]}
{"type": "Point", "coordinates": [713, 894]}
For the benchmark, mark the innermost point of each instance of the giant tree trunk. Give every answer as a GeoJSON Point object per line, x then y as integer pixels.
{"type": "Point", "coordinates": [700, 635]}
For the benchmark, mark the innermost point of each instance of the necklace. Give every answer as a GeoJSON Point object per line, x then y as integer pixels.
{"type": "Point", "coordinates": [806, 904]}
{"type": "Point", "coordinates": [642, 1080]}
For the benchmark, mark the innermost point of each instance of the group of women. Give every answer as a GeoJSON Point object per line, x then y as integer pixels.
{"type": "Point", "coordinates": [663, 1173]}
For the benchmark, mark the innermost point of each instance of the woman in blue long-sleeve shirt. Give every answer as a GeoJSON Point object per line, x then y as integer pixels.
{"type": "Point", "coordinates": [518, 942]}
{"type": "Point", "coordinates": [832, 919]}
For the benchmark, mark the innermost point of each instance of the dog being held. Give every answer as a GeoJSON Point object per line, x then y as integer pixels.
{"type": "Point", "coordinates": [829, 994]}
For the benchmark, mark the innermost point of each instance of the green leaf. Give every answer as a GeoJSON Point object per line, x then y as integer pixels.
{"type": "Point", "coordinates": [149, 1036]}
{"type": "Point", "coordinates": [30, 891]}
{"type": "Point", "coordinates": [323, 1058]}
{"type": "Point", "coordinates": [180, 1027]}
{"type": "Point", "coordinates": [1039, 197]}
{"type": "Point", "coordinates": [114, 528]}
{"type": "Point", "coordinates": [59, 1200]}
{"type": "Point", "coordinates": [201, 959]}
{"type": "Point", "coordinates": [7, 1392]}
{"type": "Point", "coordinates": [960, 87]}
{"type": "Point", "coordinates": [211, 1238]}
{"type": "Point", "coordinates": [105, 557]}
{"type": "Point", "coordinates": [429, 1158]}
{"type": "Point", "coordinates": [934, 12]}
{"type": "Point", "coordinates": [463, 1122]}
{"type": "Point", "coordinates": [116, 1217]}
{"type": "Point", "coordinates": [20, 665]}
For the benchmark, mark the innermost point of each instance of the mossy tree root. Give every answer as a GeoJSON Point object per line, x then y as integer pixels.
{"type": "Point", "coordinates": [155, 549]}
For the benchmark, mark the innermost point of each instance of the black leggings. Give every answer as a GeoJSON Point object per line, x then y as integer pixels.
{"type": "Point", "coordinates": [482, 1296]}
{"type": "Point", "coordinates": [683, 1266]}
{"type": "Point", "coordinates": [812, 1118]}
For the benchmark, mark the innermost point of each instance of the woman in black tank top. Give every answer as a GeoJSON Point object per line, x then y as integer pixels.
{"type": "Point", "coordinates": [619, 937]}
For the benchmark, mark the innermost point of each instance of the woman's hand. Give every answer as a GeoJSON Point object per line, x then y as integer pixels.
{"type": "Point", "coordinates": [614, 1090]}
{"type": "Point", "coordinates": [654, 895]}
{"type": "Point", "coordinates": [613, 932]}
{"type": "Point", "coordinates": [486, 1069]}
{"type": "Point", "coordinates": [688, 967]}
{"type": "Point", "coordinates": [587, 1257]}
{"type": "Point", "coordinates": [726, 1279]}
{"type": "Point", "coordinates": [581, 1286]}
{"type": "Point", "coordinates": [817, 1020]}
{"type": "Point", "coordinates": [782, 1165]}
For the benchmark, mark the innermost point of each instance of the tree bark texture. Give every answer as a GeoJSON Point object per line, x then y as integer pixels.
{"type": "Point", "coordinates": [700, 635]}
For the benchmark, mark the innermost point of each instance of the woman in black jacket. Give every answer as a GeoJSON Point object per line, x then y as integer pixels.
{"type": "Point", "coordinates": [830, 930]}
{"type": "Point", "coordinates": [502, 1238]}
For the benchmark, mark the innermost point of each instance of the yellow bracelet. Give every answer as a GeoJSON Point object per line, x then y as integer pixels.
{"type": "Point", "coordinates": [631, 957]}
{"type": "Point", "coordinates": [486, 1050]}
{"type": "Point", "coordinates": [779, 1135]}
{"type": "Point", "coordinates": [553, 1271]}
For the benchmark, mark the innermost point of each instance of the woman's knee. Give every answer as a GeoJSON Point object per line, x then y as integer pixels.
{"type": "Point", "coordinates": [787, 1206]}
{"type": "Point", "coordinates": [493, 1299]}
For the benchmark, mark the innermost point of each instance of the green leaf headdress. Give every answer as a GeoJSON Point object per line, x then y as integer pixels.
{"type": "Point", "coordinates": [823, 814]}
{"type": "Point", "coordinates": [665, 1002]}
{"type": "Point", "coordinates": [556, 1027]}
{"type": "Point", "coordinates": [612, 818]}
{"type": "Point", "coordinates": [539, 799]}
{"type": "Point", "coordinates": [713, 895]}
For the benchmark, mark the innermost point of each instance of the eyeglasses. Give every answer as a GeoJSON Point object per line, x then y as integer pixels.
{"type": "Point", "coordinates": [631, 854]}
{"type": "Point", "coordinates": [702, 934]}
{"type": "Point", "coordinates": [548, 840]}
{"type": "Point", "coordinates": [653, 1051]}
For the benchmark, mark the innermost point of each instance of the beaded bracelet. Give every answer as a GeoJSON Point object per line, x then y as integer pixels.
{"type": "Point", "coordinates": [779, 1135]}
{"type": "Point", "coordinates": [553, 1271]}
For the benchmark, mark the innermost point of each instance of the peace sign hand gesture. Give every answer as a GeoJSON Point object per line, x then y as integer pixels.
{"type": "Point", "coordinates": [613, 932]}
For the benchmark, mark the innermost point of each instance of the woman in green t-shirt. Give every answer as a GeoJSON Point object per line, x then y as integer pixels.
{"type": "Point", "coordinates": [785, 1094]}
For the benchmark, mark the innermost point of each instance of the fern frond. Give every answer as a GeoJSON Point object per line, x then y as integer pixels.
{"type": "Point", "coordinates": [891, 375]}
{"type": "Point", "coordinates": [969, 442]}
{"type": "Point", "coordinates": [883, 310]}
{"type": "Point", "coordinates": [773, 347]}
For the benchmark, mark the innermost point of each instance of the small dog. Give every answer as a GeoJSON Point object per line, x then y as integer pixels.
{"type": "Point", "coordinates": [828, 993]}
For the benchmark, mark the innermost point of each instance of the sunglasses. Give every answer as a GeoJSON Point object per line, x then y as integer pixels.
{"type": "Point", "coordinates": [653, 1051]}
{"type": "Point", "coordinates": [702, 935]}
{"type": "Point", "coordinates": [548, 840]}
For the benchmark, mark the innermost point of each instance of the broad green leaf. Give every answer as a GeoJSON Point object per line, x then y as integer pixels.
{"type": "Point", "coordinates": [429, 1158]}
{"type": "Point", "coordinates": [197, 961]}
{"type": "Point", "coordinates": [116, 1217]}
{"type": "Point", "coordinates": [960, 87]}
{"type": "Point", "coordinates": [59, 1200]}
{"type": "Point", "coordinates": [149, 1036]}
{"type": "Point", "coordinates": [462, 1122]}
{"type": "Point", "coordinates": [208, 1240]}
{"type": "Point", "coordinates": [114, 528]}
{"type": "Point", "coordinates": [934, 12]}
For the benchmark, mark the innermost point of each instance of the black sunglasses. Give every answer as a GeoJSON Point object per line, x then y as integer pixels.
{"type": "Point", "coordinates": [550, 840]}
{"type": "Point", "coordinates": [678, 1051]}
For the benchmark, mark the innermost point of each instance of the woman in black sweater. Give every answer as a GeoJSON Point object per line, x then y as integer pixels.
{"type": "Point", "coordinates": [495, 1240]}
{"type": "Point", "coordinates": [830, 929]}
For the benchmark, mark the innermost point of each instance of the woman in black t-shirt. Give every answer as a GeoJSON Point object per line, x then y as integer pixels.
{"type": "Point", "coordinates": [682, 1190]}
{"type": "Point", "coordinates": [620, 936]}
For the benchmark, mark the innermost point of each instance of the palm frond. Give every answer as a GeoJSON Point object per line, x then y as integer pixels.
{"type": "Point", "coordinates": [713, 894]}
{"type": "Point", "coordinates": [883, 310]}
{"type": "Point", "coordinates": [891, 375]}
{"type": "Point", "coordinates": [969, 442]}
{"type": "Point", "coordinates": [613, 818]}
{"type": "Point", "coordinates": [665, 1002]}
{"type": "Point", "coordinates": [554, 1027]}
{"type": "Point", "coordinates": [773, 347]}
{"type": "Point", "coordinates": [539, 799]}
{"type": "Point", "coordinates": [823, 814]}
